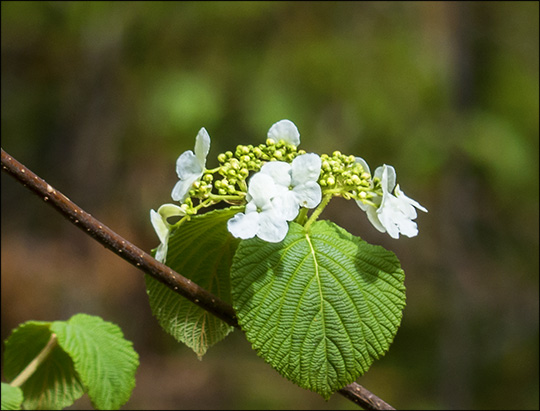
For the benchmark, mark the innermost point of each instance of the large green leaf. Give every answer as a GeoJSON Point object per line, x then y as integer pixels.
{"type": "Point", "coordinates": [320, 306]}
{"type": "Point", "coordinates": [104, 360]}
{"type": "Point", "coordinates": [200, 249]}
{"type": "Point", "coordinates": [54, 384]}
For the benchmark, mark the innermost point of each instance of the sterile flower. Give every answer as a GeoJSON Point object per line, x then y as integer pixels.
{"type": "Point", "coordinates": [162, 226]}
{"type": "Point", "coordinates": [190, 166]}
{"type": "Point", "coordinates": [284, 130]}
{"type": "Point", "coordinates": [394, 213]}
{"type": "Point", "coordinates": [261, 218]}
{"type": "Point", "coordinates": [296, 182]}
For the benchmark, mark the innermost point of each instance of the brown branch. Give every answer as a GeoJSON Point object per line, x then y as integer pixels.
{"type": "Point", "coordinates": [146, 263]}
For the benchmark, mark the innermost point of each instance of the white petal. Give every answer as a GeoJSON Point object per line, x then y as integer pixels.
{"type": "Point", "coordinates": [188, 165]}
{"type": "Point", "coordinates": [279, 171]}
{"type": "Point", "coordinates": [161, 252]}
{"type": "Point", "coordinates": [408, 228]}
{"type": "Point", "coordinates": [272, 229]}
{"type": "Point", "coordinates": [363, 206]}
{"type": "Point", "coordinates": [286, 205]}
{"type": "Point", "coordinates": [244, 226]}
{"type": "Point", "coordinates": [160, 226]}
{"type": "Point", "coordinates": [284, 130]}
{"type": "Point", "coordinates": [182, 187]}
{"type": "Point", "coordinates": [364, 164]}
{"type": "Point", "coordinates": [170, 210]}
{"type": "Point", "coordinates": [387, 175]}
{"type": "Point", "coordinates": [261, 188]}
{"type": "Point", "coordinates": [306, 167]}
{"type": "Point", "coordinates": [401, 195]}
{"type": "Point", "coordinates": [202, 146]}
{"type": "Point", "coordinates": [373, 218]}
{"type": "Point", "coordinates": [388, 220]}
{"type": "Point", "coordinates": [309, 194]}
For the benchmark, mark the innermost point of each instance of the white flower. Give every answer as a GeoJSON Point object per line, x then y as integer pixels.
{"type": "Point", "coordinates": [162, 227]}
{"type": "Point", "coordinates": [261, 218]}
{"type": "Point", "coordinates": [190, 166]}
{"type": "Point", "coordinates": [394, 213]}
{"type": "Point", "coordinates": [297, 183]}
{"type": "Point", "coordinates": [284, 130]}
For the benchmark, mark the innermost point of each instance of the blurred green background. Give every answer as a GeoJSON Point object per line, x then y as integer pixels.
{"type": "Point", "coordinates": [101, 98]}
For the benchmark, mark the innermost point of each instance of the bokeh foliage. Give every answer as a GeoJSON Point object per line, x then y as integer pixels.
{"type": "Point", "coordinates": [100, 98]}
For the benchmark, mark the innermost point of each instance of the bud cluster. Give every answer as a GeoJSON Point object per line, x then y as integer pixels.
{"type": "Point", "coordinates": [229, 178]}
{"type": "Point", "coordinates": [342, 175]}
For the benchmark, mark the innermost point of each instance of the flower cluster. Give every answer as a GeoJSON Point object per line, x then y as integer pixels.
{"type": "Point", "coordinates": [275, 195]}
{"type": "Point", "coordinates": [278, 183]}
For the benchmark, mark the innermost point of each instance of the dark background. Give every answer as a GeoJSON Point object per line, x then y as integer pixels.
{"type": "Point", "coordinates": [100, 99]}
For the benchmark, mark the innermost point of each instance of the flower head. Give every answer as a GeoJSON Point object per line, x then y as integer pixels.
{"type": "Point", "coordinates": [261, 217]}
{"type": "Point", "coordinates": [190, 166]}
{"type": "Point", "coordinates": [284, 130]}
{"type": "Point", "coordinates": [394, 213]}
{"type": "Point", "coordinates": [296, 182]}
{"type": "Point", "coordinates": [162, 226]}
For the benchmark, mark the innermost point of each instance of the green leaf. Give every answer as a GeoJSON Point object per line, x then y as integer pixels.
{"type": "Point", "coordinates": [200, 249]}
{"type": "Point", "coordinates": [12, 397]}
{"type": "Point", "coordinates": [105, 361]}
{"type": "Point", "coordinates": [319, 307]}
{"type": "Point", "coordinates": [55, 383]}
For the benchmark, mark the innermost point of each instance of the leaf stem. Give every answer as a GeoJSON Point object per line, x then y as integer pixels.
{"type": "Point", "coordinates": [302, 216]}
{"type": "Point", "coordinates": [326, 199]}
{"type": "Point", "coordinates": [35, 363]}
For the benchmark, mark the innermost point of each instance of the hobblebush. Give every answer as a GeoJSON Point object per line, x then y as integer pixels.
{"type": "Point", "coordinates": [317, 303]}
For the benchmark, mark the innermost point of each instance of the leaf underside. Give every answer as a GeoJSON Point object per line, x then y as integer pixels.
{"type": "Point", "coordinates": [200, 249]}
{"type": "Point", "coordinates": [55, 384]}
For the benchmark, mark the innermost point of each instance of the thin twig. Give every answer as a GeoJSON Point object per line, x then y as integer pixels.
{"type": "Point", "coordinates": [146, 263]}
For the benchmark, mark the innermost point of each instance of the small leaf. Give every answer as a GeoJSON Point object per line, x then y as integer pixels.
{"type": "Point", "coordinates": [200, 249]}
{"type": "Point", "coordinates": [105, 361]}
{"type": "Point", "coordinates": [321, 306]}
{"type": "Point", "coordinates": [55, 383]}
{"type": "Point", "coordinates": [12, 397]}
